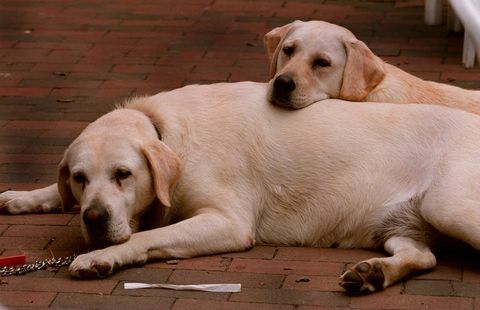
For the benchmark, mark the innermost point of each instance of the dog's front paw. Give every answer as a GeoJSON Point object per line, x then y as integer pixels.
{"type": "Point", "coordinates": [17, 202]}
{"type": "Point", "coordinates": [40, 200]}
{"type": "Point", "coordinates": [96, 264]}
{"type": "Point", "coordinates": [363, 277]}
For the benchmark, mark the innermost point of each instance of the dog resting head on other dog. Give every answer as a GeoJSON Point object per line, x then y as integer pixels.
{"type": "Point", "coordinates": [111, 176]}
{"type": "Point", "coordinates": [315, 60]}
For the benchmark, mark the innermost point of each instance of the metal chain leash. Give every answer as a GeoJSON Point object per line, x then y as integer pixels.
{"type": "Point", "coordinates": [38, 265]}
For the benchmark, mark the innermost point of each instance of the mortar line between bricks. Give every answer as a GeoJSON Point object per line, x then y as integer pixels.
{"type": "Point", "coordinates": [3, 232]}
{"type": "Point", "coordinates": [70, 221]}
{"type": "Point", "coordinates": [283, 281]}
{"type": "Point", "coordinates": [6, 124]}
{"type": "Point", "coordinates": [169, 275]}
{"type": "Point", "coordinates": [50, 51]}
{"type": "Point", "coordinates": [79, 60]}
{"type": "Point", "coordinates": [112, 67]}
{"type": "Point", "coordinates": [50, 241]}
{"type": "Point", "coordinates": [53, 299]}
{"type": "Point", "coordinates": [275, 253]}
{"type": "Point", "coordinates": [452, 287]}
{"type": "Point", "coordinates": [119, 282]}
{"type": "Point", "coordinates": [174, 302]}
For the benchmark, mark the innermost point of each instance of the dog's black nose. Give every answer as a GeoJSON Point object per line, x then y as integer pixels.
{"type": "Point", "coordinates": [284, 84]}
{"type": "Point", "coordinates": [95, 216]}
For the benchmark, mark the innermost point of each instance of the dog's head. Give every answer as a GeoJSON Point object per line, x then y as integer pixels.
{"type": "Point", "coordinates": [115, 170]}
{"type": "Point", "coordinates": [312, 61]}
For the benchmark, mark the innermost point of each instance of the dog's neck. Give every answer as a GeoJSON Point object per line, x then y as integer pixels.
{"type": "Point", "coordinates": [171, 126]}
{"type": "Point", "coordinates": [142, 105]}
{"type": "Point", "coordinates": [159, 134]}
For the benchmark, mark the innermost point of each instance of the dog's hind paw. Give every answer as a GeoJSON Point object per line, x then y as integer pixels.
{"type": "Point", "coordinates": [364, 277]}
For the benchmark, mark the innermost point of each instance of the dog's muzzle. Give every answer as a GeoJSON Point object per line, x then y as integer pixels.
{"type": "Point", "coordinates": [283, 86]}
{"type": "Point", "coordinates": [96, 219]}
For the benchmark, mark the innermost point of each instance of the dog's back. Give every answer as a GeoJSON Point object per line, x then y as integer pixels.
{"type": "Point", "coordinates": [336, 161]}
{"type": "Point", "coordinates": [402, 87]}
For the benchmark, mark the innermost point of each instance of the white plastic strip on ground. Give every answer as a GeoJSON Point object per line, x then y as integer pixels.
{"type": "Point", "coordinates": [219, 288]}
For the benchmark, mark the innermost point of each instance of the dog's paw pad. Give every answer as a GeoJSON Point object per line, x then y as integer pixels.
{"type": "Point", "coordinates": [103, 270]}
{"type": "Point", "coordinates": [92, 265]}
{"type": "Point", "coordinates": [86, 273]}
{"type": "Point", "coordinates": [363, 277]}
{"type": "Point", "coordinates": [95, 271]}
{"type": "Point", "coordinates": [351, 281]}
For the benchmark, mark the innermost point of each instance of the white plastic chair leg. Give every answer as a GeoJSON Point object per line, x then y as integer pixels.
{"type": "Point", "coordinates": [454, 23]}
{"type": "Point", "coordinates": [468, 12]}
{"type": "Point", "coordinates": [468, 57]}
{"type": "Point", "coordinates": [433, 12]}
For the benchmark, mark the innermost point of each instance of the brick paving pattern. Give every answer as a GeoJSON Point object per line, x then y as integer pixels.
{"type": "Point", "coordinates": [66, 62]}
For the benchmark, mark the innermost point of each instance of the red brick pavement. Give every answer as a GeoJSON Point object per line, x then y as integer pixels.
{"type": "Point", "coordinates": [65, 62]}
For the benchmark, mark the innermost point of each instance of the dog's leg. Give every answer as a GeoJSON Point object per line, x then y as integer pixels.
{"type": "Point", "coordinates": [460, 221]}
{"type": "Point", "coordinates": [39, 200]}
{"type": "Point", "coordinates": [408, 256]}
{"type": "Point", "coordinates": [203, 234]}
{"type": "Point", "coordinates": [453, 205]}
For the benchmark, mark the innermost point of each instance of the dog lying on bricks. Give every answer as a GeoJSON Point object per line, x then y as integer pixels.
{"type": "Point", "coordinates": [217, 168]}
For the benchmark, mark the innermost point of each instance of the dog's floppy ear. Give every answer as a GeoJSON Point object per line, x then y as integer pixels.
{"type": "Point", "coordinates": [363, 71]}
{"type": "Point", "coordinates": [68, 200]}
{"type": "Point", "coordinates": [165, 166]}
{"type": "Point", "coordinates": [272, 41]}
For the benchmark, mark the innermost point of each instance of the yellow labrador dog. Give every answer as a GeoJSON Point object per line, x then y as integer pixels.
{"type": "Point", "coordinates": [315, 60]}
{"type": "Point", "coordinates": [220, 169]}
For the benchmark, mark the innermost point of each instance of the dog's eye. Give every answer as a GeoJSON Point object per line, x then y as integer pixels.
{"type": "Point", "coordinates": [122, 174]}
{"type": "Point", "coordinates": [80, 177]}
{"type": "Point", "coordinates": [321, 62]}
{"type": "Point", "coordinates": [288, 50]}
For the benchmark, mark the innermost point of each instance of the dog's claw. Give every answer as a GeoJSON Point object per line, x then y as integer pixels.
{"type": "Point", "coordinates": [351, 282]}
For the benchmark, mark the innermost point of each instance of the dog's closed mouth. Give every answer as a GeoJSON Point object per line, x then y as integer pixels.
{"type": "Point", "coordinates": [283, 102]}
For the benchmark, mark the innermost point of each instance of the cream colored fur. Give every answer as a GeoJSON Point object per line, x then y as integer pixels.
{"type": "Point", "coordinates": [355, 73]}
{"type": "Point", "coordinates": [231, 170]}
